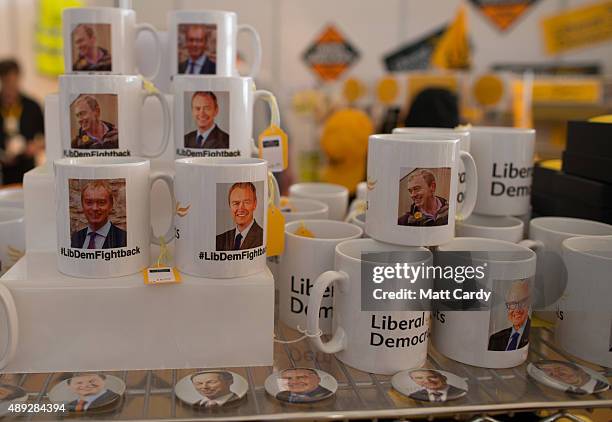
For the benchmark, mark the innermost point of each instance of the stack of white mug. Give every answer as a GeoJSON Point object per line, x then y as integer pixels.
{"type": "Point", "coordinates": [219, 194]}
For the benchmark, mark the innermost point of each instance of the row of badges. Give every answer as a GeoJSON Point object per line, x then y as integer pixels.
{"type": "Point", "coordinates": [213, 389]}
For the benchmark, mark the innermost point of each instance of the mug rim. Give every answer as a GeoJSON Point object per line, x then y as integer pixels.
{"type": "Point", "coordinates": [414, 137]}
{"type": "Point", "coordinates": [511, 247]}
{"type": "Point", "coordinates": [291, 224]}
{"type": "Point", "coordinates": [340, 252]}
{"type": "Point", "coordinates": [322, 205]}
{"type": "Point", "coordinates": [535, 221]}
{"type": "Point", "coordinates": [191, 12]}
{"type": "Point", "coordinates": [518, 222]}
{"type": "Point", "coordinates": [423, 129]}
{"type": "Point", "coordinates": [501, 129]}
{"type": "Point", "coordinates": [88, 162]}
{"type": "Point", "coordinates": [568, 244]}
{"type": "Point", "coordinates": [98, 9]}
{"type": "Point", "coordinates": [221, 161]}
{"type": "Point", "coordinates": [340, 190]}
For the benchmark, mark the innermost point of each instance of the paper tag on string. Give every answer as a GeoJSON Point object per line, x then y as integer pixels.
{"type": "Point", "coordinates": [276, 231]}
{"type": "Point", "coordinates": [273, 148]}
{"type": "Point", "coordinates": [160, 273]}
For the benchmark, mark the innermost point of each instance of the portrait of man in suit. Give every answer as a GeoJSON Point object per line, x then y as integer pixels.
{"type": "Point", "coordinates": [214, 387]}
{"type": "Point", "coordinates": [92, 392]}
{"type": "Point", "coordinates": [435, 386]}
{"type": "Point", "coordinates": [301, 385]}
{"type": "Point", "coordinates": [88, 54]}
{"type": "Point", "coordinates": [246, 234]}
{"type": "Point", "coordinates": [419, 188]}
{"type": "Point", "coordinates": [97, 201]}
{"type": "Point", "coordinates": [208, 134]}
{"type": "Point", "coordinates": [200, 53]}
{"type": "Point", "coordinates": [92, 132]}
{"type": "Point", "coordinates": [517, 303]}
{"type": "Point", "coordinates": [577, 380]}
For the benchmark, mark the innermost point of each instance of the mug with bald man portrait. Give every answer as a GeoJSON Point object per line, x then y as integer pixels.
{"type": "Point", "coordinates": [513, 315]}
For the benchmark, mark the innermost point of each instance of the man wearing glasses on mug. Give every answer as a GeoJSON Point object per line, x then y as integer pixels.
{"type": "Point", "coordinates": [517, 308]}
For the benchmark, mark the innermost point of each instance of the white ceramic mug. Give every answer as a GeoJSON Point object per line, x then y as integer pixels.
{"type": "Point", "coordinates": [546, 234]}
{"type": "Point", "coordinates": [203, 42]}
{"type": "Point", "coordinates": [509, 229]}
{"type": "Point", "coordinates": [213, 116]}
{"type": "Point", "coordinates": [103, 216]}
{"type": "Point", "coordinates": [304, 259]}
{"type": "Point", "coordinates": [12, 237]}
{"type": "Point", "coordinates": [464, 145]}
{"type": "Point", "coordinates": [294, 209]}
{"type": "Point", "coordinates": [584, 317]}
{"type": "Point", "coordinates": [359, 338]}
{"type": "Point", "coordinates": [413, 179]}
{"type": "Point", "coordinates": [504, 157]}
{"type": "Point", "coordinates": [9, 325]}
{"type": "Point", "coordinates": [221, 219]}
{"type": "Point", "coordinates": [335, 196]}
{"type": "Point", "coordinates": [485, 338]}
{"type": "Point", "coordinates": [101, 116]}
{"type": "Point", "coordinates": [102, 39]}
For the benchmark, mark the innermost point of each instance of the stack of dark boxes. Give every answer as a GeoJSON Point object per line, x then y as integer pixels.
{"type": "Point", "coordinates": [583, 188]}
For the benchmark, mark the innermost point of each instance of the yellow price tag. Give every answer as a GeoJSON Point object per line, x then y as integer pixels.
{"type": "Point", "coordinates": [274, 148]}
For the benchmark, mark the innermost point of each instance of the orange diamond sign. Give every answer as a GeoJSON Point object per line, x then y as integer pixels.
{"type": "Point", "coordinates": [503, 13]}
{"type": "Point", "coordinates": [330, 55]}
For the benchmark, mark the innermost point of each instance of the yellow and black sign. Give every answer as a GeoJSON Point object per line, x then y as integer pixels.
{"type": "Point", "coordinates": [581, 27]}
{"type": "Point", "coordinates": [330, 55]}
{"type": "Point", "coordinates": [503, 13]}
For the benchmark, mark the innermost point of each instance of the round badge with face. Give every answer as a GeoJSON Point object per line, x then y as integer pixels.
{"type": "Point", "coordinates": [301, 385]}
{"type": "Point", "coordinates": [429, 385]}
{"type": "Point", "coordinates": [208, 390]}
{"type": "Point", "coordinates": [10, 394]}
{"type": "Point", "coordinates": [87, 392]}
{"type": "Point", "coordinates": [567, 376]}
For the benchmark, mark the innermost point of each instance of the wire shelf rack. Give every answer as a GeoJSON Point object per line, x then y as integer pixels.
{"type": "Point", "coordinates": [150, 395]}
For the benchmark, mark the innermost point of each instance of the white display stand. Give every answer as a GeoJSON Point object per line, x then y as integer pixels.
{"type": "Point", "coordinates": [73, 324]}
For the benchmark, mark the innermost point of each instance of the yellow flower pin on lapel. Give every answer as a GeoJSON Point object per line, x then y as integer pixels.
{"type": "Point", "coordinates": [182, 211]}
{"type": "Point", "coordinates": [418, 215]}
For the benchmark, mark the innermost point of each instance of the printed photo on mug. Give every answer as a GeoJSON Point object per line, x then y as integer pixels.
{"type": "Point", "coordinates": [197, 49]}
{"type": "Point", "coordinates": [423, 196]}
{"type": "Point", "coordinates": [207, 122]}
{"type": "Point", "coordinates": [240, 216]}
{"type": "Point", "coordinates": [510, 319]}
{"type": "Point", "coordinates": [91, 47]}
{"type": "Point", "coordinates": [98, 215]}
{"type": "Point", "coordinates": [93, 121]}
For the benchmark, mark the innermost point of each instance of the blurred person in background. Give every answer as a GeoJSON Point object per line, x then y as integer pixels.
{"type": "Point", "coordinates": [433, 107]}
{"type": "Point", "coordinates": [21, 127]}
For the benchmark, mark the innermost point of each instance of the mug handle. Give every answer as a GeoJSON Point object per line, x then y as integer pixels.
{"type": "Point", "coordinates": [338, 340]}
{"type": "Point", "coordinates": [273, 190]}
{"type": "Point", "coordinates": [151, 91]}
{"type": "Point", "coordinates": [145, 27]}
{"type": "Point", "coordinates": [169, 181]}
{"type": "Point", "coordinates": [256, 45]}
{"type": "Point", "coordinates": [471, 181]}
{"type": "Point", "coordinates": [270, 99]}
{"type": "Point", "coordinates": [13, 325]}
{"type": "Point", "coordinates": [535, 245]}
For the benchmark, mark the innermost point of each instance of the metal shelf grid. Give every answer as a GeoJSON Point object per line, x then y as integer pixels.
{"type": "Point", "coordinates": [149, 394]}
